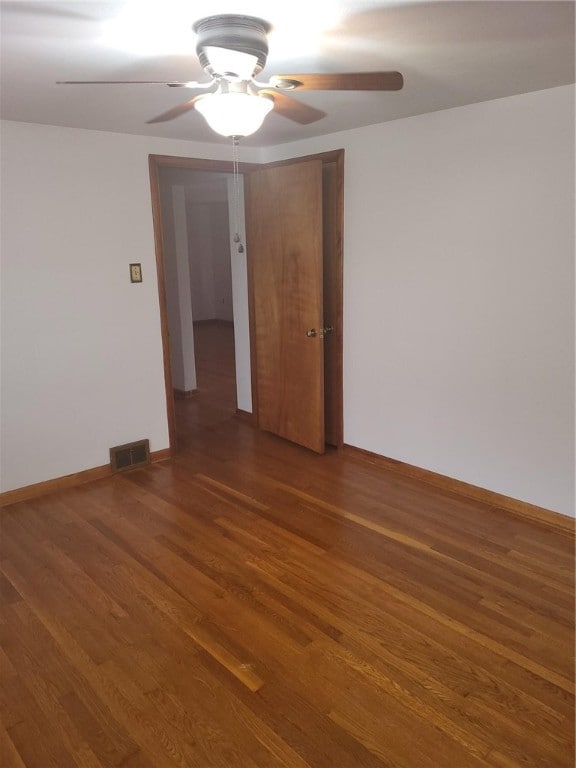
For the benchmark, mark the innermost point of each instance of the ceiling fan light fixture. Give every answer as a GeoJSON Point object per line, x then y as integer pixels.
{"type": "Point", "coordinates": [234, 114]}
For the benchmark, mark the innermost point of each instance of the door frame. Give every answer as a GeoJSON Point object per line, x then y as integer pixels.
{"type": "Point", "coordinates": [155, 163]}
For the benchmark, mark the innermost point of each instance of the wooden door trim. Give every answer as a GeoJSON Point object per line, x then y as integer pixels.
{"type": "Point", "coordinates": [155, 162]}
{"type": "Point", "coordinates": [337, 269]}
{"type": "Point", "coordinates": [199, 164]}
{"type": "Point", "coordinates": [339, 265]}
{"type": "Point", "coordinates": [154, 167]}
{"type": "Point", "coordinates": [333, 156]}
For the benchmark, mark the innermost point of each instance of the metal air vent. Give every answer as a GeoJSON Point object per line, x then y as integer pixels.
{"type": "Point", "coordinates": [123, 457]}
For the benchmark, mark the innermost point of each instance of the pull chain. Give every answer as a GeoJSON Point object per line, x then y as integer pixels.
{"type": "Point", "coordinates": [236, 194]}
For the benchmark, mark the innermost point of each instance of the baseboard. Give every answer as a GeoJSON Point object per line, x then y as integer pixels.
{"type": "Point", "coordinates": [68, 481]}
{"type": "Point", "coordinates": [459, 487]}
{"type": "Point", "coordinates": [244, 415]}
{"type": "Point", "coordinates": [162, 455]}
{"type": "Point", "coordinates": [184, 394]}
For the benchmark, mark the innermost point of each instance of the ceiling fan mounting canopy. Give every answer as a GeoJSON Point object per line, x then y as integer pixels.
{"type": "Point", "coordinates": [235, 33]}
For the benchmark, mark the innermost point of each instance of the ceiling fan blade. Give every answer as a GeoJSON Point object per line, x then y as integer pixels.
{"type": "Point", "coordinates": [170, 84]}
{"type": "Point", "coordinates": [292, 109]}
{"type": "Point", "coordinates": [344, 81]}
{"type": "Point", "coordinates": [175, 112]}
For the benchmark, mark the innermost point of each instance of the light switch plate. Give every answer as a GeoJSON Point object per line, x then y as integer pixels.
{"type": "Point", "coordinates": [135, 273]}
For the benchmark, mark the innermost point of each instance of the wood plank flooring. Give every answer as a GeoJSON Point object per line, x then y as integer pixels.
{"type": "Point", "coordinates": [251, 605]}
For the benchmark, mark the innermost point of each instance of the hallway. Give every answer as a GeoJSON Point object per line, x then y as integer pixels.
{"type": "Point", "coordinates": [215, 398]}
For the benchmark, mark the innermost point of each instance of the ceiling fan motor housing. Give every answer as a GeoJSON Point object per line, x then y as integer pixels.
{"type": "Point", "coordinates": [247, 34]}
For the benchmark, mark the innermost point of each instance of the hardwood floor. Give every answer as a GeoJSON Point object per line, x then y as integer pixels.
{"type": "Point", "coordinates": [249, 604]}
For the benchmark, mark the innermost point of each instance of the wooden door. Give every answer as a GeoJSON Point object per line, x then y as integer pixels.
{"type": "Point", "coordinates": [284, 239]}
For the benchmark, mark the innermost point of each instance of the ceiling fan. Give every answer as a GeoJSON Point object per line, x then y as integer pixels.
{"type": "Point", "coordinates": [232, 50]}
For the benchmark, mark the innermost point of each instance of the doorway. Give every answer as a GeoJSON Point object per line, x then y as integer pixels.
{"type": "Point", "coordinates": [332, 164]}
{"type": "Point", "coordinates": [206, 296]}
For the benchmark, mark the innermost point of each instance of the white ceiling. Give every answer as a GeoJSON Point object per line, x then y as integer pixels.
{"type": "Point", "coordinates": [450, 53]}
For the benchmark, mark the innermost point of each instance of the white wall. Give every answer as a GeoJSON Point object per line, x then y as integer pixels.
{"type": "Point", "coordinates": [201, 261]}
{"type": "Point", "coordinates": [239, 269]}
{"type": "Point", "coordinates": [221, 262]}
{"type": "Point", "coordinates": [81, 348]}
{"type": "Point", "coordinates": [211, 280]}
{"type": "Point", "coordinates": [459, 292]}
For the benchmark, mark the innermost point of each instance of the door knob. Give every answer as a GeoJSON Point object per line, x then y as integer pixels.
{"type": "Point", "coordinates": [322, 333]}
